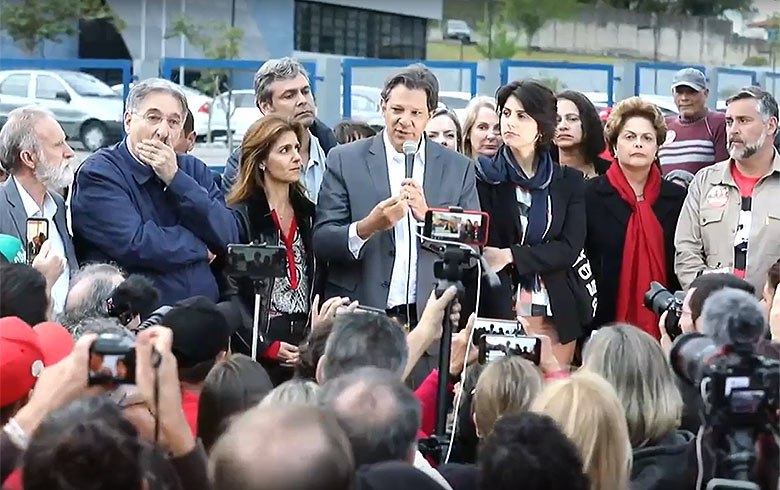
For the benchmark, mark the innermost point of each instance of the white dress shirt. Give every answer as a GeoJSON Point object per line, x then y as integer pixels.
{"type": "Point", "coordinates": [59, 290]}
{"type": "Point", "coordinates": [396, 171]}
{"type": "Point", "coordinates": [314, 169]}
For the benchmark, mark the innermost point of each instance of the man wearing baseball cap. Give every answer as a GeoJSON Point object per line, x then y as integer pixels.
{"type": "Point", "coordinates": [696, 137]}
{"type": "Point", "coordinates": [24, 352]}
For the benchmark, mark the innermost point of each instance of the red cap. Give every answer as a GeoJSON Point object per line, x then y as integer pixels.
{"type": "Point", "coordinates": [56, 342]}
{"type": "Point", "coordinates": [23, 354]}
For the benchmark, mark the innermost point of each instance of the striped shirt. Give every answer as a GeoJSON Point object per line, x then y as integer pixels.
{"type": "Point", "coordinates": [695, 145]}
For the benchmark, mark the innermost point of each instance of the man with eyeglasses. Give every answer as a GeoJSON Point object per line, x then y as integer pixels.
{"type": "Point", "coordinates": [140, 205]}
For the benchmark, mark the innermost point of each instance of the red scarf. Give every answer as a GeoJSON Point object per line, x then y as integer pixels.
{"type": "Point", "coordinates": [644, 258]}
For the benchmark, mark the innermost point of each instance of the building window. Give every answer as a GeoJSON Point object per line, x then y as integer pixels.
{"type": "Point", "coordinates": [325, 28]}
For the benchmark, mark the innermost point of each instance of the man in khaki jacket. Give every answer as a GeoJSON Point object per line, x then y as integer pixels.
{"type": "Point", "coordinates": [730, 221]}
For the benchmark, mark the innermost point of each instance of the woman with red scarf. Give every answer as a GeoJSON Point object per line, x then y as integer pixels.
{"type": "Point", "coordinates": [632, 215]}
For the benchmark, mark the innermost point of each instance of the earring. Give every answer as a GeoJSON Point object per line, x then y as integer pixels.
{"type": "Point", "coordinates": [262, 168]}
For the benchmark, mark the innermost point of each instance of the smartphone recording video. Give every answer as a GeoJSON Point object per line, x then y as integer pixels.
{"type": "Point", "coordinates": [256, 261]}
{"type": "Point", "coordinates": [492, 326]}
{"type": "Point", "coordinates": [492, 347]}
{"type": "Point", "coordinates": [37, 234]}
{"type": "Point", "coordinates": [112, 360]}
{"type": "Point", "coordinates": [467, 227]}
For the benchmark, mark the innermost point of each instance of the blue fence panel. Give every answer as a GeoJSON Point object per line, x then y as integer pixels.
{"type": "Point", "coordinates": [595, 80]}
{"type": "Point", "coordinates": [773, 84]}
{"type": "Point", "coordinates": [168, 65]}
{"type": "Point", "coordinates": [730, 80]}
{"type": "Point", "coordinates": [655, 78]}
{"type": "Point", "coordinates": [370, 76]}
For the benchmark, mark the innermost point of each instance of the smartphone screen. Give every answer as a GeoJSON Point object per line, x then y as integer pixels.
{"type": "Point", "coordinates": [467, 228]}
{"type": "Point", "coordinates": [492, 326]}
{"type": "Point", "coordinates": [37, 234]}
{"type": "Point", "coordinates": [492, 347]}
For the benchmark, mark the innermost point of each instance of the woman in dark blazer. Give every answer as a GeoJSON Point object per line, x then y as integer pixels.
{"type": "Point", "coordinates": [632, 215]}
{"type": "Point", "coordinates": [272, 208]}
{"type": "Point", "coordinates": [537, 227]}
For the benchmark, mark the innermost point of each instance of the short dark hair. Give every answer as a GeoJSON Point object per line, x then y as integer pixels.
{"type": "Point", "coordinates": [538, 101]}
{"type": "Point", "coordinates": [531, 448]}
{"type": "Point", "coordinates": [706, 284]}
{"type": "Point", "coordinates": [196, 374]}
{"type": "Point", "coordinates": [363, 339]}
{"type": "Point", "coordinates": [311, 350]}
{"type": "Point", "coordinates": [415, 77]}
{"type": "Point", "coordinates": [349, 130]}
{"type": "Point", "coordinates": [380, 414]}
{"type": "Point", "coordinates": [593, 142]}
{"type": "Point", "coordinates": [230, 388]}
{"type": "Point", "coordinates": [23, 293]}
{"type": "Point", "coordinates": [773, 276]}
{"type": "Point", "coordinates": [189, 123]}
{"type": "Point", "coordinates": [767, 104]}
{"type": "Point", "coordinates": [86, 444]}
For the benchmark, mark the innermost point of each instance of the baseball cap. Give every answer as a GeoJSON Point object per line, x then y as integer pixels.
{"type": "Point", "coordinates": [690, 77]}
{"type": "Point", "coordinates": [200, 331]}
{"type": "Point", "coordinates": [23, 354]}
{"type": "Point", "coordinates": [11, 249]}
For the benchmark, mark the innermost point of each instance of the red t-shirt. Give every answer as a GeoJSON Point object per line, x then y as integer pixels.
{"type": "Point", "coordinates": [744, 183]}
{"type": "Point", "coordinates": [189, 403]}
{"type": "Point", "coordinates": [746, 186]}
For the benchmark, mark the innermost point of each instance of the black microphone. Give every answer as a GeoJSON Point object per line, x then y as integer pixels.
{"type": "Point", "coordinates": [136, 295]}
{"type": "Point", "coordinates": [410, 148]}
{"type": "Point", "coordinates": [733, 317]}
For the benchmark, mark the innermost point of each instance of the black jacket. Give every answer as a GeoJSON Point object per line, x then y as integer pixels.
{"type": "Point", "coordinates": [607, 217]}
{"type": "Point", "coordinates": [666, 465]}
{"type": "Point", "coordinates": [319, 129]}
{"type": "Point", "coordinates": [553, 259]}
{"type": "Point", "coordinates": [256, 223]}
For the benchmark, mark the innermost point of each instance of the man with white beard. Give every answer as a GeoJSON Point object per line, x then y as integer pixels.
{"type": "Point", "coordinates": [33, 151]}
{"type": "Point", "coordinates": [730, 221]}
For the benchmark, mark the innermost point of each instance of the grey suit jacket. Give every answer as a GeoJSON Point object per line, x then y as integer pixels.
{"type": "Point", "coordinates": [356, 179]}
{"type": "Point", "coordinates": [13, 220]}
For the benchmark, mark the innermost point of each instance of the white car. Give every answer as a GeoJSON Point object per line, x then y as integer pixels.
{"type": "Point", "coordinates": [664, 102]}
{"type": "Point", "coordinates": [365, 105]}
{"type": "Point", "coordinates": [456, 102]}
{"type": "Point", "coordinates": [243, 111]}
{"type": "Point", "coordinates": [200, 106]}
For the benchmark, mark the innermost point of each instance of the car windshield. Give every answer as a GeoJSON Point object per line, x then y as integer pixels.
{"type": "Point", "coordinates": [453, 102]}
{"type": "Point", "coordinates": [87, 85]}
{"type": "Point", "coordinates": [457, 24]}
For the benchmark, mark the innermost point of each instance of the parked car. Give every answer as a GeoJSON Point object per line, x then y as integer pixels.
{"type": "Point", "coordinates": [456, 102]}
{"type": "Point", "coordinates": [200, 106]}
{"type": "Point", "coordinates": [365, 105]}
{"type": "Point", "coordinates": [87, 108]}
{"type": "Point", "coordinates": [457, 29]}
{"type": "Point", "coordinates": [243, 111]}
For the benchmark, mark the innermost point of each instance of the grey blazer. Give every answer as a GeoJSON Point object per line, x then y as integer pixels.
{"type": "Point", "coordinates": [356, 179]}
{"type": "Point", "coordinates": [13, 220]}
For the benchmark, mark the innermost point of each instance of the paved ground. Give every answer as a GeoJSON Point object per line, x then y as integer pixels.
{"type": "Point", "coordinates": [214, 154]}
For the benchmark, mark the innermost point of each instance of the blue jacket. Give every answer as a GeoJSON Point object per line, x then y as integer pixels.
{"type": "Point", "coordinates": [122, 213]}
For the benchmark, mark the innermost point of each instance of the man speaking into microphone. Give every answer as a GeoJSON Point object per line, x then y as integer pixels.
{"type": "Point", "coordinates": [373, 198]}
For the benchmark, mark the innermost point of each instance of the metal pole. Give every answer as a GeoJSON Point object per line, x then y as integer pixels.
{"type": "Point", "coordinates": [143, 30]}
{"type": "Point", "coordinates": [774, 71]}
{"type": "Point", "coordinates": [655, 53]}
{"type": "Point", "coordinates": [163, 41]}
{"type": "Point", "coordinates": [181, 43]}
{"type": "Point", "coordinates": [490, 29]}
{"type": "Point", "coordinates": [460, 71]}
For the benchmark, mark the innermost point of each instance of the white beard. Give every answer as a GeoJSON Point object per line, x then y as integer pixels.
{"type": "Point", "coordinates": [55, 177]}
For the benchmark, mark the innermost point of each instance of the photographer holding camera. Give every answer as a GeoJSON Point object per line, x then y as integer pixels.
{"type": "Point", "coordinates": [273, 209]}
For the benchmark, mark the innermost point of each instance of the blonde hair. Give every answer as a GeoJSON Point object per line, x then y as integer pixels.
{"type": "Point", "coordinates": [635, 365]}
{"type": "Point", "coordinates": [588, 411]}
{"type": "Point", "coordinates": [293, 392]}
{"type": "Point", "coordinates": [634, 107]}
{"type": "Point", "coordinates": [507, 385]}
{"type": "Point", "coordinates": [470, 119]}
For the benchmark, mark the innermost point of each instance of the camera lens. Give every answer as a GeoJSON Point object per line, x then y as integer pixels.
{"type": "Point", "coordinates": [658, 298]}
{"type": "Point", "coordinates": [689, 355]}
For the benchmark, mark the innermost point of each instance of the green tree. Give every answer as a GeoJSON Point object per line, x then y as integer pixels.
{"type": "Point", "coordinates": [709, 8]}
{"type": "Point", "coordinates": [529, 16]}
{"type": "Point", "coordinates": [31, 22]}
{"type": "Point", "coordinates": [504, 45]}
{"type": "Point", "coordinates": [217, 41]}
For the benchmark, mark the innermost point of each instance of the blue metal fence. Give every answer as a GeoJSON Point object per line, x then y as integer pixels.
{"type": "Point", "coordinates": [169, 65]}
{"type": "Point", "coordinates": [660, 78]}
{"type": "Point", "coordinates": [574, 76]}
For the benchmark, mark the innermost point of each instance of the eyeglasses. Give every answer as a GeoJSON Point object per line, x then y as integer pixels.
{"type": "Point", "coordinates": [156, 119]}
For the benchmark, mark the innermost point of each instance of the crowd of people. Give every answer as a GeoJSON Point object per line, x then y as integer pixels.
{"type": "Point", "coordinates": [325, 374]}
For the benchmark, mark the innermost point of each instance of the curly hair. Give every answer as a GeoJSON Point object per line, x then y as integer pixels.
{"type": "Point", "coordinates": [592, 130]}
{"type": "Point", "coordinates": [634, 107]}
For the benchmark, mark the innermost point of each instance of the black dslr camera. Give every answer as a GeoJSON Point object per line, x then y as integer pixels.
{"type": "Point", "coordinates": [659, 300]}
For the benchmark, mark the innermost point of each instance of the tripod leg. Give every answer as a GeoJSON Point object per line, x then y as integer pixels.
{"type": "Point", "coordinates": [256, 326]}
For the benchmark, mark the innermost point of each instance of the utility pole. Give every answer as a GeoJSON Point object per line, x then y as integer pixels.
{"type": "Point", "coordinates": [490, 28]}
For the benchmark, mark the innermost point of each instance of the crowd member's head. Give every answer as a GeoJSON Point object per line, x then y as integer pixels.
{"type": "Point", "coordinates": [269, 157]}
{"type": "Point", "coordinates": [349, 131]}
{"type": "Point", "coordinates": [580, 130]}
{"type": "Point", "coordinates": [87, 444]}
{"type": "Point", "coordinates": [751, 124]}
{"type": "Point", "coordinates": [156, 109]}
{"type": "Point", "coordinates": [588, 411]}
{"type": "Point", "coordinates": [409, 97]}
{"type": "Point", "coordinates": [507, 385]}
{"type": "Point", "coordinates": [282, 87]}
{"type": "Point", "coordinates": [293, 392]}
{"type": "Point", "coordinates": [392, 475]}
{"type": "Point", "coordinates": [702, 288]}
{"type": "Point", "coordinates": [731, 316]}
{"type": "Point", "coordinates": [23, 293]}
{"type": "Point", "coordinates": [231, 387]}
{"type": "Point", "coordinates": [201, 335]}
{"type": "Point", "coordinates": [772, 280]}
{"type": "Point", "coordinates": [380, 414]}
{"type": "Point", "coordinates": [89, 292]}
{"type": "Point", "coordinates": [634, 131]}
{"type": "Point", "coordinates": [292, 448]}
{"type": "Point", "coordinates": [636, 366]}
{"type": "Point", "coordinates": [361, 339]}
{"type": "Point", "coordinates": [186, 141]}
{"type": "Point", "coordinates": [481, 128]}
{"type": "Point", "coordinates": [690, 92]}
{"type": "Point", "coordinates": [527, 110]}
{"type": "Point", "coordinates": [444, 128]}
{"type": "Point", "coordinates": [530, 448]}
{"type": "Point", "coordinates": [33, 149]}
{"type": "Point", "coordinates": [11, 250]}
{"type": "Point", "coordinates": [311, 350]}
{"type": "Point", "coordinates": [24, 352]}
{"type": "Point", "coordinates": [99, 326]}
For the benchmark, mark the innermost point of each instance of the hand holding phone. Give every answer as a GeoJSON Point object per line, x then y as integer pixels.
{"type": "Point", "coordinates": [49, 264]}
{"type": "Point", "coordinates": [37, 233]}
